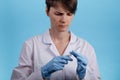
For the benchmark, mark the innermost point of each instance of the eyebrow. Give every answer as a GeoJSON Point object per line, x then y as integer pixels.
{"type": "Point", "coordinates": [58, 11]}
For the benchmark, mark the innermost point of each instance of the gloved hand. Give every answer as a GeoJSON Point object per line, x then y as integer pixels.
{"type": "Point", "coordinates": [55, 64]}
{"type": "Point", "coordinates": [81, 64]}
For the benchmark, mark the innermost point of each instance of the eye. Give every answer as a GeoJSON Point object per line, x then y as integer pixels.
{"type": "Point", "coordinates": [69, 14]}
{"type": "Point", "coordinates": [58, 13]}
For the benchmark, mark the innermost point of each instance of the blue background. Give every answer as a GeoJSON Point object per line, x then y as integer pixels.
{"type": "Point", "coordinates": [97, 21]}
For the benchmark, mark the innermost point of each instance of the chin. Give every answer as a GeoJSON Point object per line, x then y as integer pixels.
{"type": "Point", "coordinates": [63, 30]}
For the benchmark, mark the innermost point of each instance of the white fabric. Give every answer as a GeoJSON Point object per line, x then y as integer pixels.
{"type": "Point", "coordinates": [39, 50]}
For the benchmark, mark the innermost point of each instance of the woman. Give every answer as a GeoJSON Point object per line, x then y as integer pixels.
{"type": "Point", "coordinates": [57, 54]}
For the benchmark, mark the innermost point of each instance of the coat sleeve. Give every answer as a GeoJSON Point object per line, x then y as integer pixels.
{"type": "Point", "coordinates": [92, 68]}
{"type": "Point", "coordinates": [25, 69]}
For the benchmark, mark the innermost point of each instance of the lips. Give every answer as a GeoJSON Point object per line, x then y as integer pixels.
{"type": "Point", "coordinates": [63, 25]}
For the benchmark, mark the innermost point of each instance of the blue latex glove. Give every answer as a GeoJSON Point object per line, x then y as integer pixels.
{"type": "Point", "coordinates": [81, 64]}
{"type": "Point", "coordinates": [55, 64]}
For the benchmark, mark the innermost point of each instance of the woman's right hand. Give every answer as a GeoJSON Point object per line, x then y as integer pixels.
{"type": "Point", "coordinates": [54, 65]}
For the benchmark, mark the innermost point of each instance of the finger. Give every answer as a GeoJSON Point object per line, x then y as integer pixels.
{"type": "Point", "coordinates": [81, 66]}
{"type": "Point", "coordinates": [62, 61]}
{"type": "Point", "coordinates": [55, 68]}
{"type": "Point", "coordinates": [67, 58]}
{"type": "Point", "coordinates": [78, 56]}
{"type": "Point", "coordinates": [82, 60]}
{"type": "Point", "coordinates": [61, 64]}
{"type": "Point", "coordinates": [74, 54]}
{"type": "Point", "coordinates": [58, 66]}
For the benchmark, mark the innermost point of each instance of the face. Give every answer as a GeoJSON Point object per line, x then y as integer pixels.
{"type": "Point", "coordinates": [60, 18]}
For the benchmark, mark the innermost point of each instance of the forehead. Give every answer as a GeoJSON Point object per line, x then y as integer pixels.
{"type": "Point", "coordinates": [59, 8]}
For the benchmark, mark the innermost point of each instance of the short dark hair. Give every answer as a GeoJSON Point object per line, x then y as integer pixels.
{"type": "Point", "coordinates": [70, 5]}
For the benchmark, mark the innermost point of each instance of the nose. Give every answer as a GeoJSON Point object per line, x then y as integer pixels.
{"type": "Point", "coordinates": [63, 19]}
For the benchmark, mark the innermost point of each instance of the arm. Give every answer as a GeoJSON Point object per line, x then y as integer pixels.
{"type": "Point", "coordinates": [84, 71]}
{"type": "Point", "coordinates": [92, 68]}
{"type": "Point", "coordinates": [25, 69]}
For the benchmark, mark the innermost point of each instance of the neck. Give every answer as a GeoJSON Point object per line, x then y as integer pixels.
{"type": "Point", "coordinates": [60, 36]}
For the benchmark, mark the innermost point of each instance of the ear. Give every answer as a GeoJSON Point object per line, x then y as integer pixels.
{"type": "Point", "coordinates": [47, 12]}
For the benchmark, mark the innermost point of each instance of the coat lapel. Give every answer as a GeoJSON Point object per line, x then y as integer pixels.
{"type": "Point", "coordinates": [48, 41]}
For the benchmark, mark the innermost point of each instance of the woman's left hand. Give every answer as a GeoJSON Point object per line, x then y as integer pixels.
{"type": "Point", "coordinates": [81, 64]}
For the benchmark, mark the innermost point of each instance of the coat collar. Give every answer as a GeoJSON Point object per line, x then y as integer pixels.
{"type": "Point", "coordinates": [47, 38]}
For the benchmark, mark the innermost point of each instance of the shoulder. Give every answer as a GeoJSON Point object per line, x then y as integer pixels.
{"type": "Point", "coordinates": [83, 45]}
{"type": "Point", "coordinates": [85, 48]}
{"type": "Point", "coordinates": [38, 40]}
{"type": "Point", "coordinates": [33, 40]}
{"type": "Point", "coordinates": [80, 41]}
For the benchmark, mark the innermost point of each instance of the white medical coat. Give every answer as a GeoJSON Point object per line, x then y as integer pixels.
{"type": "Point", "coordinates": [39, 50]}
